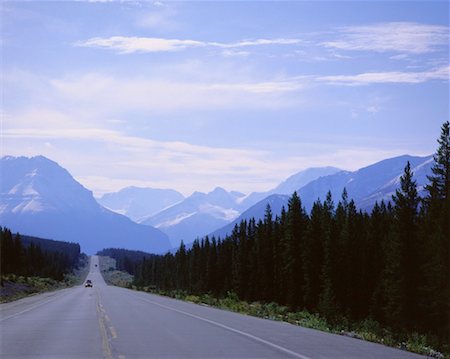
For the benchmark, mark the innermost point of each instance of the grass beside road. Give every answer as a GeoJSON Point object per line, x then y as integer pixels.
{"type": "Point", "coordinates": [13, 287]}
{"type": "Point", "coordinates": [111, 275]}
{"type": "Point", "coordinates": [368, 330]}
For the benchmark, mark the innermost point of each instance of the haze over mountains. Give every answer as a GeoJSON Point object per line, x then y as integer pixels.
{"type": "Point", "coordinates": [38, 197]}
{"type": "Point", "coordinates": [137, 203]}
{"type": "Point", "coordinates": [200, 213]}
{"type": "Point", "coordinates": [365, 186]}
{"type": "Point", "coordinates": [197, 215]}
{"type": "Point", "coordinates": [291, 184]}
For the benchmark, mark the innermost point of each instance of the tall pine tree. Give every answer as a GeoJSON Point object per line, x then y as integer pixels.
{"type": "Point", "coordinates": [401, 252]}
{"type": "Point", "coordinates": [435, 304]}
{"type": "Point", "coordinates": [297, 222]}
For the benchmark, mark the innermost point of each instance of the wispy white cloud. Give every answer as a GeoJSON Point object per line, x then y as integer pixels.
{"type": "Point", "coordinates": [399, 57]}
{"type": "Point", "coordinates": [161, 17]}
{"type": "Point", "coordinates": [119, 94]}
{"type": "Point", "coordinates": [258, 42]}
{"type": "Point", "coordinates": [373, 109]}
{"type": "Point", "coordinates": [231, 53]}
{"type": "Point", "coordinates": [127, 45]}
{"type": "Point", "coordinates": [131, 143]}
{"type": "Point", "coordinates": [391, 77]}
{"type": "Point", "coordinates": [177, 164]}
{"type": "Point", "coordinates": [158, 20]}
{"type": "Point", "coordinates": [88, 152]}
{"type": "Point", "coordinates": [404, 37]}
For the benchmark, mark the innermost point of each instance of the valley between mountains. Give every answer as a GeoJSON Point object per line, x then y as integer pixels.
{"type": "Point", "coordinates": [41, 198]}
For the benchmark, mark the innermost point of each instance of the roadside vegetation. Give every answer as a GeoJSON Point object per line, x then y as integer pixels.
{"type": "Point", "coordinates": [367, 329]}
{"type": "Point", "coordinates": [382, 276]}
{"type": "Point", "coordinates": [112, 275]}
{"type": "Point", "coordinates": [33, 265]}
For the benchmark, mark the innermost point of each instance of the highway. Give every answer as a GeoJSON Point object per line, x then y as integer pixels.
{"type": "Point", "coordinates": [111, 322]}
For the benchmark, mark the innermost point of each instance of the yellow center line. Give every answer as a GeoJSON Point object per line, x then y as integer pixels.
{"type": "Point", "coordinates": [101, 322]}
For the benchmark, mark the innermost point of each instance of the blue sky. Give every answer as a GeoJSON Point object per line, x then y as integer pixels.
{"type": "Point", "coordinates": [194, 95]}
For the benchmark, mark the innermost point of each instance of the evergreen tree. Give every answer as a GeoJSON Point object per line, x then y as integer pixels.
{"type": "Point", "coordinates": [267, 256]}
{"type": "Point", "coordinates": [211, 265]}
{"type": "Point", "coordinates": [402, 275]}
{"type": "Point", "coordinates": [313, 257]}
{"type": "Point", "coordinates": [356, 263]}
{"type": "Point", "coordinates": [297, 222]}
{"type": "Point", "coordinates": [391, 265]}
{"type": "Point", "coordinates": [327, 295]}
{"type": "Point", "coordinates": [181, 267]}
{"type": "Point", "coordinates": [436, 247]}
{"type": "Point", "coordinates": [252, 265]}
{"type": "Point", "coordinates": [6, 250]}
{"type": "Point", "coordinates": [241, 250]}
{"type": "Point", "coordinates": [378, 234]}
{"type": "Point", "coordinates": [439, 187]}
{"type": "Point", "coordinates": [280, 280]}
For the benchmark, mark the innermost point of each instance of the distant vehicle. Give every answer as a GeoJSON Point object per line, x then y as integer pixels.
{"type": "Point", "coordinates": [88, 283]}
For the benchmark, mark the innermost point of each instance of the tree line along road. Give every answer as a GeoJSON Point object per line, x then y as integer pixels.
{"type": "Point", "coordinates": [111, 322]}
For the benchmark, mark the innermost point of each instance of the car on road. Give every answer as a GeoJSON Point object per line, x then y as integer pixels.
{"type": "Point", "coordinates": [88, 283]}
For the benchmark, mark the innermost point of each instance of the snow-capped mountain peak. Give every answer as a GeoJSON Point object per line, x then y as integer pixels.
{"type": "Point", "coordinates": [38, 197]}
{"type": "Point", "coordinates": [139, 203]}
{"type": "Point", "coordinates": [302, 178]}
{"type": "Point", "coordinates": [366, 186]}
{"type": "Point", "coordinates": [39, 184]}
{"type": "Point", "coordinates": [197, 215]}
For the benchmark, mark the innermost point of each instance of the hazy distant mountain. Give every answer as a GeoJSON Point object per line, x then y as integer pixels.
{"type": "Point", "coordinates": [369, 184]}
{"type": "Point", "coordinates": [302, 178]}
{"type": "Point", "coordinates": [257, 211]}
{"type": "Point", "coordinates": [192, 217]}
{"type": "Point", "coordinates": [40, 198]}
{"type": "Point", "coordinates": [137, 203]}
{"type": "Point", "coordinates": [202, 213]}
{"type": "Point", "coordinates": [290, 185]}
{"type": "Point", "coordinates": [365, 186]}
{"type": "Point", "coordinates": [421, 170]}
{"type": "Point", "coordinates": [197, 215]}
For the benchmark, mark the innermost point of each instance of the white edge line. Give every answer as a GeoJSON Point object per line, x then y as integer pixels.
{"type": "Point", "coordinates": [255, 338]}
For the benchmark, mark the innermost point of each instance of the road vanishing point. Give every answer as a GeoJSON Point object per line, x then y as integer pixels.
{"type": "Point", "coordinates": [112, 322]}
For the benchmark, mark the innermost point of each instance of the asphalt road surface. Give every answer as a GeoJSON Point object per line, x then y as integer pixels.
{"type": "Point", "coordinates": [111, 322]}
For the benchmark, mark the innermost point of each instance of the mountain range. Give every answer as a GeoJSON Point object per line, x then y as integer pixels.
{"type": "Point", "coordinates": [197, 215]}
{"type": "Point", "coordinates": [291, 184]}
{"type": "Point", "coordinates": [200, 213]}
{"type": "Point", "coordinates": [365, 186]}
{"type": "Point", "coordinates": [40, 198]}
{"type": "Point", "coordinates": [138, 203]}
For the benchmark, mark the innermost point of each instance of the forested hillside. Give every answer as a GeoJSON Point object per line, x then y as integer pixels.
{"type": "Point", "coordinates": [391, 265]}
{"type": "Point", "coordinates": [30, 256]}
{"type": "Point", "coordinates": [126, 260]}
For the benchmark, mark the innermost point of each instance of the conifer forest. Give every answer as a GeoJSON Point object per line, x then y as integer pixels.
{"type": "Point", "coordinates": [29, 256]}
{"type": "Point", "coordinates": [390, 265]}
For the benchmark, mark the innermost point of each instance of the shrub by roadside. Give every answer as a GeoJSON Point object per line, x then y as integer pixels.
{"type": "Point", "coordinates": [111, 275]}
{"type": "Point", "coordinates": [13, 287]}
{"type": "Point", "coordinates": [368, 330]}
